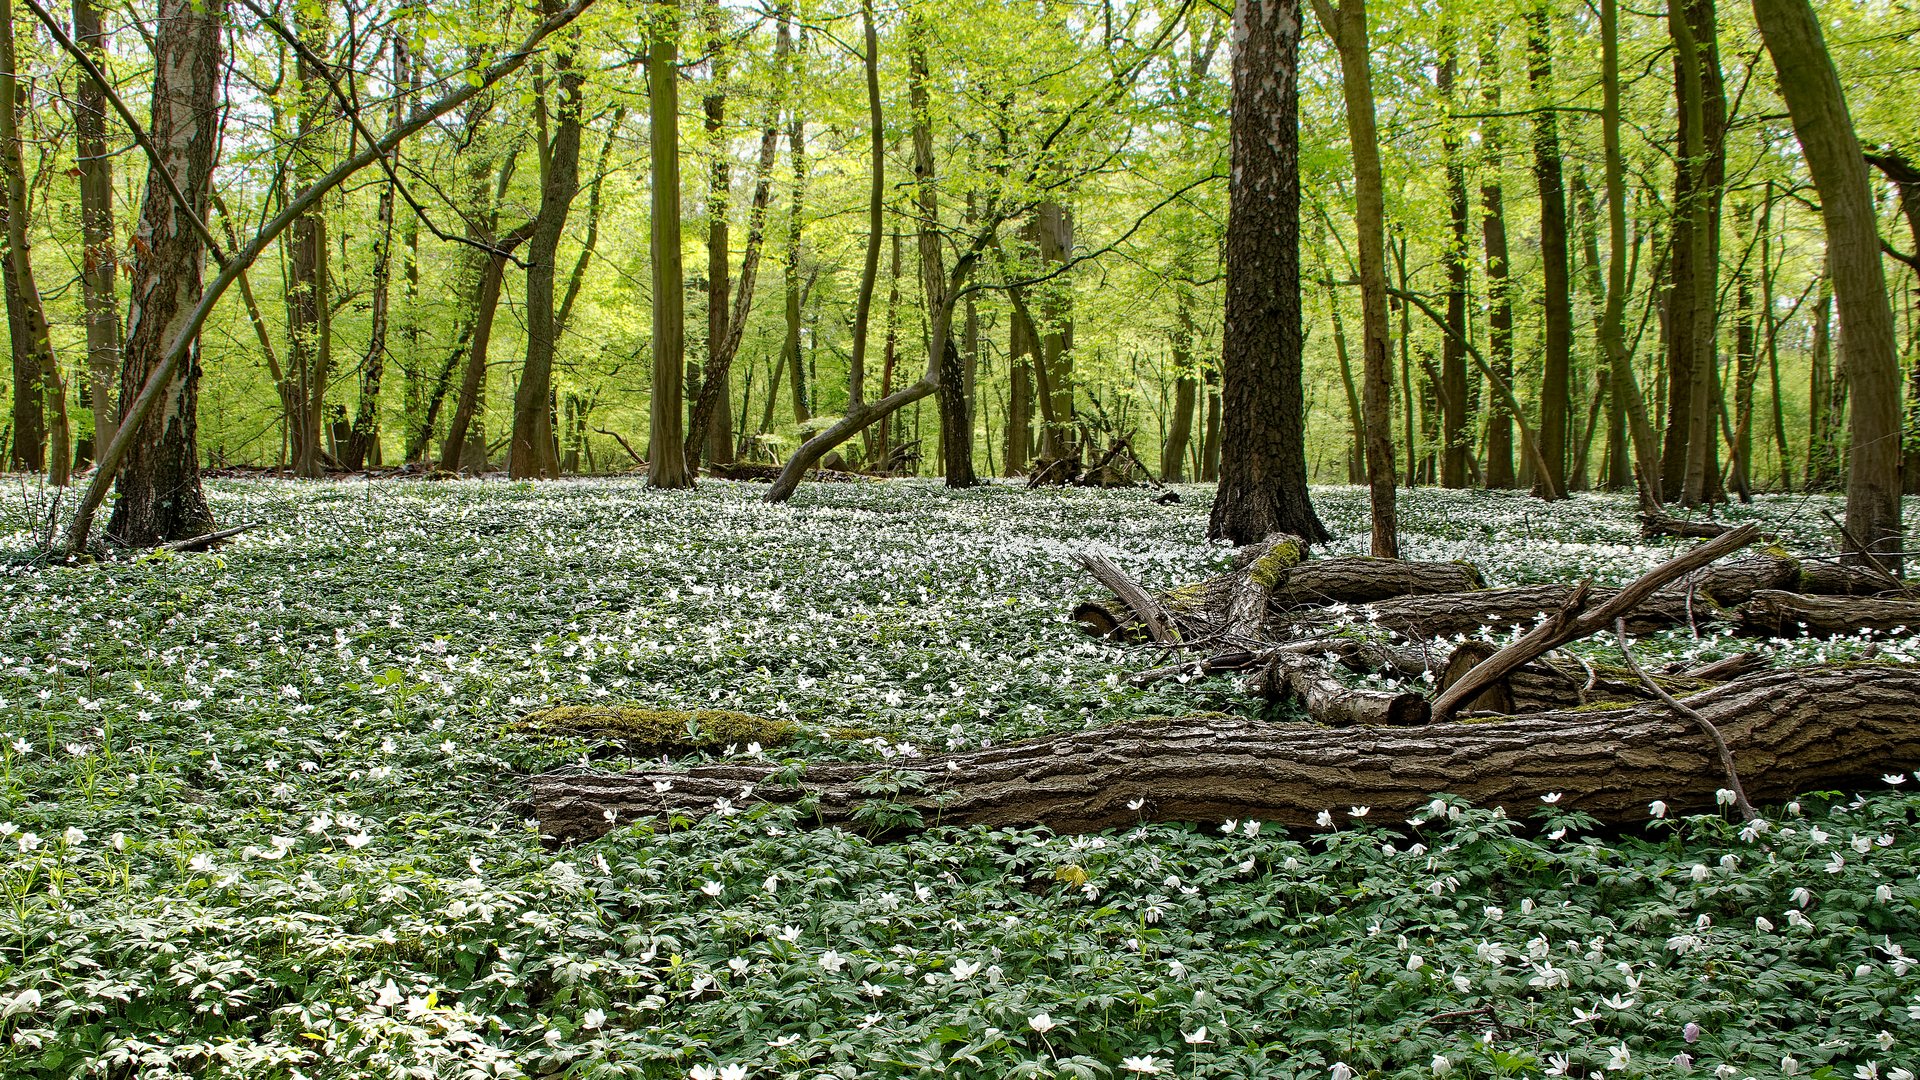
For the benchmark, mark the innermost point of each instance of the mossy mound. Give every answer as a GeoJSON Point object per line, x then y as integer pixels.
{"type": "Point", "coordinates": [647, 730]}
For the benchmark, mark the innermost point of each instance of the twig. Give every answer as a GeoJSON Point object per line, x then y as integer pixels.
{"type": "Point", "coordinates": [1864, 551]}
{"type": "Point", "coordinates": [1119, 584]}
{"type": "Point", "coordinates": [637, 459]}
{"type": "Point", "coordinates": [199, 542]}
{"type": "Point", "coordinates": [1740, 803]}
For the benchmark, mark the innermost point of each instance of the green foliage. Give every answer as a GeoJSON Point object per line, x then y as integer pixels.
{"type": "Point", "coordinates": [260, 818]}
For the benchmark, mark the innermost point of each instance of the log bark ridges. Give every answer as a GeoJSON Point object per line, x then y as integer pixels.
{"type": "Point", "coordinates": [1808, 729]}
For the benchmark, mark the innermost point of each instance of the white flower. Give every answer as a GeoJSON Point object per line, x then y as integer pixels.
{"type": "Point", "coordinates": [711, 888]}
{"type": "Point", "coordinates": [1145, 1065]}
{"type": "Point", "coordinates": [1884, 1040]}
{"type": "Point", "coordinates": [1041, 1023]}
{"type": "Point", "coordinates": [1416, 962]}
{"type": "Point", "coordinates": [733, 1072]}
{"type": "Point", "coordinates": [1657, 809]}
{"type": "Point", "coordinates": [1196, 1038]}
{"type": "Point", "coordinates": [593, 1019]}
{"type": "Point", "coordinates": [1869, 1071]}
{"type": "Point", "coordinates": [1883, 893]}
{"type": "Point", "coordinates": [1763, 924]}
{"type": "Point", "coordinates": [73, 836]}
{"type": "Point", "coordinates": [1899, 1074]}
{"type": "Point", "coordinates": [1790, 1065]}
{"type": "Point", "coordinates": [703, 1072]}
{"type": "Point", "coordinates": [962, 970]}
{"type": "Point", "coordinates": [1341, 1071]}
{"type": "Point", "coordinates": [1835, 865]}
{"type": "Point", "coordinates": [1896, 779]}
{"type": "Point", "coordinates": [1723, 796]}
{"type": "Point", "coordinates": [1230, 826]}
{"type": "Point", "coordinates": [1549, 798]}
{"type": "Point", "coordinates": [1558, 1064]}
{"type": "Point", "coordinates": [1441, 1066]}
{"type": "Point", "coordinates": [832, 961]}
{"type": "Point", "coordinates": [1725, 1071]}
{"type": "Point", "coordinates": [29, 841]}
{"type": "Point", "coordinates": [1359, 811]}
{"type": "Point", "coordinates": [1618, 1057]}
{"type": "Point", "coordinates": [359, 840]}
{"type": "Point", "coordinates": [1325, 819]}
{"type": "Point", "coordinates": [661, 787]}
{"type": "Point", "coordinates": [389, 996]}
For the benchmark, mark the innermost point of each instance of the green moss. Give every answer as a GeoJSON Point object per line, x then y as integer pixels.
{"type": "Point", "coordinates": [1270, 569]}
{"type": "Point", "coordinates": [650, 730]}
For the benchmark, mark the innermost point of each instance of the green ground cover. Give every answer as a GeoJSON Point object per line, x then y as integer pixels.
{"type": "Point", "coordinates": [260, 818]}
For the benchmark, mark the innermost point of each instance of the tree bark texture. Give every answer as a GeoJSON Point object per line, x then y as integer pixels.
{"type": "Point", "coordinates": [1791, 731]}
{"type": "Point", "coordinates": [32, 335]}
{"type": "Point", "coordinates": [159, 481]}
{"type": "Point", "coordinates": [1821, 119]}
{"type": "Point", "coordinates": [531, 451]}
{"type": "Point", "coordinates": [1557, 294]}
{"type": "Point", "coordinates": [666, 451]}
{"type": "Point", "coordinates": [99, 259]}
{"type": "Point", "coordinates": [1262, 441]}
{"type": "Point", "coordinates": [1493, 234]}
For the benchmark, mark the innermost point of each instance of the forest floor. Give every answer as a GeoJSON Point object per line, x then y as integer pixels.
{"type": "Point", "coordinates": [261, 817]}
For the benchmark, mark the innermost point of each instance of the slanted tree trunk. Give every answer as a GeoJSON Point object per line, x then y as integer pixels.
{"type": "Point", "coordinates": [1556, 372]}
{"type": "Point", "coordinates": [666, 451]}
{"type": "Point", "coordinates": [531, 451]}
{"type": "Point", "coordinates": [1818, 107]}
{"type": "Point", "coordinates": [99, 259]}
{"type": "Point", "coordinates": [1347, 24]}
{"type": "Point", "coordinates": [876, 205]}
{"type": "Point", "coordinates": [1263, 461]}
{"type": "Point", "coordinates": [158, 482]}
{"type": "Point", "coordinates": [1791, 731]}
{"type": "Point", "coordinates": [1493, 233]}
{"type": "Point", "coordinates": [33, 343]}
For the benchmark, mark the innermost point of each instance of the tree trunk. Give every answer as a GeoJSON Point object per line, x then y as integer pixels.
{"type": "Point", "coordinates": [876, 205]}
{"type": "Point", "coordinates": [1263, 461]}
{"type": "Point", "coordinates": [1021, 352]}
{"type": "Point", "coordinates": [99, 259]}
{"type": "Point", "coordinates": [790, 347]}
{"type": "Point", "coordinates": [1826, 398]}
{"type": "Point", "coordinates": [1818, 107]}
{"type": "Point", "coordinates": [530, 448]}
{"type": "Point", "coordinates": [1493, 232]}
{"type": "Point", "coordinates": [34, 339]}
{"type": "Point", "coordinates": [309, 316]}
{"type": "Point", "coordinates": [1623, 385]}
{"type": "Point", "coordinates": [1786, 614]}
{"type": "Point", "coordinates": [366, 417]}
{"type": "Point", "coordinates": [666, 451]}
{"type": "Point", "coordinates": [1556, 372]}
{"type": "Point", "coordinates": [1456, 441]}
{"type": "Point", "coordinates": [956, 422]}
{"type": "Point", "coordinates": [1356, 418]}
{"type": "Point", "coordinates": [1792, 731]}
{"type": "Point", "coordinates": [158, 483]}
{"type": "Point", "coordinates": [713, 401]}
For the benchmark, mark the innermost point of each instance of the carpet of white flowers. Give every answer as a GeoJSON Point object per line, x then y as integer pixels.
{"type": "Point", "coordinates": [260, 815]}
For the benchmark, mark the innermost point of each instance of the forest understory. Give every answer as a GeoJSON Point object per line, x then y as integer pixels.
{"type": "Point", "coordinates": [266, 811]}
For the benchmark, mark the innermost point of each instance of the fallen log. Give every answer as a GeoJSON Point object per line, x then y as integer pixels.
{"type": "Point", "coordinates": [1446, 614]}
{"type": "Point", "coordinates": [1734, 581]}
{"type": "Point", "coordinates": [1836, 579]}
{"type": "Point", "coordinates": [1144, 607]}
{"type": "Point", "coordinates": [1793, 731]}
{"type": "Point", "coordinates": [1783, 614]}
{"type": "Point", "coordinates": [1361, 580]}
{"type": "Point", "coordinates": [1329, 700]}
{"type": "Point", "coordinates": [1585, 615]}
{"type": "Point", "coordinates": [1652, 525]}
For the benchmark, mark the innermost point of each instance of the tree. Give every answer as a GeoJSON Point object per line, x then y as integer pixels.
{"type": "Point", "coordinates": [1347, 25]}
{"type": "Point", "coordinates": [531, 452]}
{"type": "Point", "coordinates": [99, 260]}
{"type": "Point", "coordinates": [1557, 296]}
{"type": "Point", "coordinates": [1263, 461]}
{"type": "Point", "coordinates": [39, 388]}
{"type": "Point", "coordinates": [1818, 107]}
{"type": "Point", "coordinates": [666, 453]}
{"type": "Point", "coordinates": [1493, 233]}
{"type": "Point", "coordinates": [159, 487]}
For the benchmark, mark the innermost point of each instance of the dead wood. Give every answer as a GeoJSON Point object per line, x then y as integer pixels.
{"type": "Point", "coordinates": [1835, 579]}
{"type": "Point", "coordinates": [1447, 614]}
{"type": "Point", "coordinates": [1583, 616]}
{"type": "Point", "coordinates": [1144, 607]}
{"type": "Point", "coordinates": [1652, 525]}
{"type": "Point", "coordinates": [1809, 729]}
{"type": "Point", "coordinates": [1784, 614]}
{"type": "Point", "coordinates": [1360, 580]}
{"type": "Point", "coordinates": [202, 543]}
{"type": "Point", "coordinates": [1731, 667]}
{"type": "Point", "coordinates": [1734, 581]}
{"type": "Point", "coordinates": [1320, 691]}
{"type": "Point", "coordinates": [1704, 723]}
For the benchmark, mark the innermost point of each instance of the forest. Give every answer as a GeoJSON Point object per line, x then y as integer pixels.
{"type": "Point", "coordinates": [630, 538]}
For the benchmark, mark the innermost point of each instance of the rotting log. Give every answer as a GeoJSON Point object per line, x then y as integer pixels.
{"type": "Point", "coordinates": [1584, 615]}
{"type": "Point", "coordinates": [1361, 580]}
{"type": "Point", "coordinates": [1446, 614]}
{"type": "Point", "coordinates": [1652, 525]}
{"type": "Point", "coordinates": [1734, 581]}
{"type": "Point", "coordinates": [1833, 579]}
{"type": "Point", "coordinates": [1792, 731]}
{"type": "Point", "coordinates": [1144, 607]}
{"type": "Point", "coordinates": [1328, 699]}
{"type": "Point", "coordinates": [1784, 614]}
